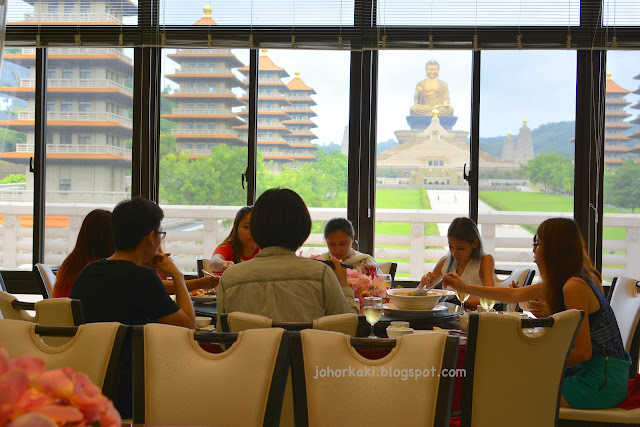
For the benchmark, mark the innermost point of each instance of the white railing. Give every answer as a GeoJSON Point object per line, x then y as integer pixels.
{"type": "Point", "coordinates": [199, 51]}
{"type": "Point", "coordinates": [195, 112]}
{"type": "Point", "coordinates": [270, 110]}
{"type": "Point", "coordinates": [229, 132]}
{"type": "Point", "coordinates": [77, 148]}
{"type": "Point", "coordinates": [80, 83]}
{"type": "Point", "coordinates": [271, 139]}
{"type": "Point", "coordinates": [203, 92]}
{"type": "Point", "coordinates": [71, 17]}
{"type": "Point", "coordinates": [78, 115]}
{"type": "Point", "coordinates": [415, 253]}
{"type": "Point", "coordinates": [82, 51]}
{"type": "Point", "coordinates": [209, 71]}
{"type": "Point", "coordinates": [197, 151]}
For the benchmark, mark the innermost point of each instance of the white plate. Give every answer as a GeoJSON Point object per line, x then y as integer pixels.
{"type": "Point", "coordinates": [206, 298]}
{"type": "Point", "coordinates": [392, 309]}
{"type": "Point", "coordinates": [209, 328]}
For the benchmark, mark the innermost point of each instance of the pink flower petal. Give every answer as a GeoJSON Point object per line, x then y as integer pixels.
{"type": "Point", "coordinates": [12, 385]}
{"type": "Point", "coordinates": [32, 365]}
{"type": "Point", "coordinates": [4, 360]}
{"type": "Point", "coordinates": [61, 414]}
{"type": "Point", "coordinates": [56, 383]}
{"type": "Point", "coordinates": [33, 419]}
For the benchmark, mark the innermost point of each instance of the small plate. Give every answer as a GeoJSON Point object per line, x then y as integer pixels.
{"type": "Point", "coordinates": [206, 298]}
{"type": "Point", "coordinates": [208, 328]}
{"type": "Point", "coordinates": [392, 309]}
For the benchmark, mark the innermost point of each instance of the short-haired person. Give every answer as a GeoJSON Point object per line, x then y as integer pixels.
{"type": "Point", "coordinates": [276, 283]}
{"type": "Point", "coordinates": [338, 233]}
{"type": "Point", "coordinates": [599, 363]}
{"type": "Point", "coordinates": [125, 287]}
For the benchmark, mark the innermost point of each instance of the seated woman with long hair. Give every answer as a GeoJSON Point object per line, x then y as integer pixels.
{"type": "Point", "coordinates": [466, 258]}
{"type": "Point", "coordinates": [239, 246]}
{"type": "Point", "coordinates": [94, 243]}
{"type": "Point", "coordinates": [599, 364]}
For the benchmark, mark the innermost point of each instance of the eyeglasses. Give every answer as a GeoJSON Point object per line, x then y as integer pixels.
{"type": "Point", "coordinates": [162, 234]}
{"type": "Point", "coordinates": [535, 242]}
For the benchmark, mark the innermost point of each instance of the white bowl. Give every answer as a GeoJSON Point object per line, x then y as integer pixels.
{"type": "Point", "coordinates": [202, 321]}
{"type": "Point", "coordinates": [403, 300]}
{"type": "Point", "coordinates": [398, 332]}
{"type": "Point", "coordinates": [399, 324]}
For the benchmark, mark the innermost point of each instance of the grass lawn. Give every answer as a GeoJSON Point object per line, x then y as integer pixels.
{"type": "Point", "coordinates": [521, 201]}
{"type": "Point", "coordinates": [402, 199]}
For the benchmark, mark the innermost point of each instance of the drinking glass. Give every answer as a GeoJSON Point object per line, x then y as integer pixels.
{"type": "Point", "coordinates": [387, 280]}
{"type": "Point", "coordinates": [372, 312]}
{"type": "Point", "coordinates": [487, 303]}
{"type": "Point", "coordinates": [463, 296]}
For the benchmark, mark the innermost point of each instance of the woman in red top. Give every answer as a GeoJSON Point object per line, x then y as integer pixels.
{"type": "Point", "coordinates": [238, 246]}
{"type": "Point", "coordinates": [94, 243]}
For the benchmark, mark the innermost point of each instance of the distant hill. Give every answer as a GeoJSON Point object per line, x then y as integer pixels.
{"type": "Point", "coordinates": [387, 145]}
{"type": "Point", "coordinates": [548, 137]}
{"type": "Point", "coordinates": [329, 148]}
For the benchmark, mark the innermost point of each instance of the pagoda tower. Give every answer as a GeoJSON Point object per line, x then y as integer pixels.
{"type": "Point", "coordinates": [204, 99]}
{"type": "Point", "coordinates": [636, 121]}
{"type": "Point", "coordinates": [299, 95]}
{"type": "Point", "coordinates": [508, 148]}
{"type": "Point", "coordinates": [616, 140]}
{"type": "Point", "coordinates": [524, 147]}
{"type": "Point", "coordinates": [89, 97]}
{"type": "Point", "coordinates": [272, 103]}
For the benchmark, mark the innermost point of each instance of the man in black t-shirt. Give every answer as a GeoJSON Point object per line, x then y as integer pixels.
{"type": "Point", "coordinates": [125, 287]}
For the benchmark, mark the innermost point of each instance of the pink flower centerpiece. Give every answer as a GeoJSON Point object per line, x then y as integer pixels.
{"type": "Point", "coordinates": [32, 396]}
{"type": "Point", "coordinates": [366, 284]}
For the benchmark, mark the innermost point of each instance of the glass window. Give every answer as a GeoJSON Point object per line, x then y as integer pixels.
{"type": "Point", "coordinates": [210, 176]}
{"type": "Point", "coordinates": [67, 73]}
{"type": "Point", "coordinates": [88, 166]}
{"type": "Point", "coordinates": [16, 148]}
{"type": "Point", "coordinates": [65, 185]}
{"type": "Point", "coordinates": [53, 8]}
{"type": "Point", "coordinates": [69, 7]}
{"type": "Point", "coordinates": [410, 134]}
{"type": "Point", "coordinates": [85, 6]}
{"type": "Point", "coordinates": [51, 106]}
{"type": "Point", "coordinates": [51, 73]}
{"type": "Point", "coordinates": [66, 105]}
{"type": "Point", "coordinates": [621, 167]}
{"type": "Point", "coordinates": [526, 148]}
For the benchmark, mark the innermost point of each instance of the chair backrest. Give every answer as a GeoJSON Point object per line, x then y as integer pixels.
{"type": "Point", "coordinates": [51, 312]}
{"type": "Point", "coordinates": [173, 377]}
{"type": "Point", "coordinates": [203, 264]}
{"type": "Point", "coordinates": [93, 348]}
{"type": "Point", "coordinates": [47, 278]}
{"type": "Point", "coordinates": [524, 277]}
{"type": "Point", "coordinates": [328, 372]}
{"type": "Point", "coordinates": [624, 298]}
{"type": "Point", "coordinates": [3, 287]}
{"type": "Point", "coordinates": [344, 323]}
{"type": "Point", "coordinates": [389, 268]}
{"type": "Point", "coordinates": [498, 348]}
{"type": "Point", "coordinates": [238, 321]}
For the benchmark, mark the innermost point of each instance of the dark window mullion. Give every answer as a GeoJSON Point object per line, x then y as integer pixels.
{"type": "Point", "coordinates": [252, 122]}
{"type": "Point", "coordinates": [474, 152]}
{"type": "Point", "coordinates": [39, 172]}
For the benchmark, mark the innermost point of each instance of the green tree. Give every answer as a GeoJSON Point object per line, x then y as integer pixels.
{"type": "Point", "coordinates": [205, 180]}
{"type": "Point", "coordinates": [552, 170]}
{"type": "Point", "coordinates": [622, 186]}
{"type": "Point", "coordinates": [12, 179]}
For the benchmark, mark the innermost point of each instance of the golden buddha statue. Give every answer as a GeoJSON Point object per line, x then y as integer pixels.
{"type": "Point", "coordinates": [431, 94]}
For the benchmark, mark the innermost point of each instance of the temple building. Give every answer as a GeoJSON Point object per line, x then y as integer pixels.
{"type": "Point", "coordinates": [299, 95]}
{"type": "Point", "coordinates": [617, 142]}
{"type": "Point", "coordinates": [636, 121]}
{"type": "Point", "coordinates": [89, 100]}
{"type": "Point", "coordinates": [204, 98]}
{"type": "Point", "coordinates": [273, 120]}
{"type": "Point", "coordinates": [522, 151]}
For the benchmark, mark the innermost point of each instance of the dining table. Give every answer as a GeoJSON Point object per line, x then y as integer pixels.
{"type": "Point", "coordinates": [422, 320]}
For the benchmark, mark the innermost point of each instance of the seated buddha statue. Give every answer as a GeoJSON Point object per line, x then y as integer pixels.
{"type": "Point", "coordinates": [431, 94]}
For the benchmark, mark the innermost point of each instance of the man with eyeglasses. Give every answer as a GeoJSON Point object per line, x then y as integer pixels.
{"type": "Point", "coordinates": [126, 288]}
